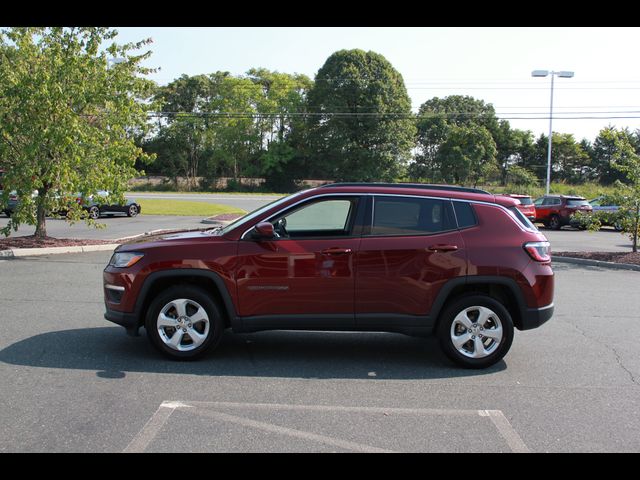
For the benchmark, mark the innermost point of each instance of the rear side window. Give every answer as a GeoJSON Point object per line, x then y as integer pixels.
{"type": "Point", "coordinates": [522, 219]}
{"type": "Point", "coordinates": [464, 214]}
{"type": "Point", "coordinates": [411, 216]}
{"type": "Point", "coordinates": [576, 203]}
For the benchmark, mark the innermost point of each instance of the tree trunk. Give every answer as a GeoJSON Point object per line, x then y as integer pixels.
{"type": "Point", "coordinates": [41, 221]}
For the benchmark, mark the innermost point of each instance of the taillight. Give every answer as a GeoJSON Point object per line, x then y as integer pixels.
{"type": "Point", "coordinates": [539, 251]}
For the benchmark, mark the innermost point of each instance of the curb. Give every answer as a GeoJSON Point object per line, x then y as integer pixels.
{"type": "Point", "coordinates": [30, 252]}
{"type": "Point", "coordinates": [223, 223]}
{"type": "Point", "coordinates": [595, 263]}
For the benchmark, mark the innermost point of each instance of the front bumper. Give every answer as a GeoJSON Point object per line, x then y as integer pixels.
{"type": "Point", "coordinates": [534, 317]}
{"type": "Point", "coordinates": [127, 320]}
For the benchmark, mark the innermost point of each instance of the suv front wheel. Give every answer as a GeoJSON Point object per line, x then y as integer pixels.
{"type": "Point", "coordinates": [183, 322]}
{"type": "Point", "coordinates": [475, 331]}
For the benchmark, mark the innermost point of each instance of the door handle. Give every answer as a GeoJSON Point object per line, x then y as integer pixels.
{"type": "Point", "coordinates": [442, 248]}
{"type": "Point", "coordinates": [336, 251]}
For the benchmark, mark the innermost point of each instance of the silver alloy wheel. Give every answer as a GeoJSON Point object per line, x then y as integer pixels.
{"type": "Point", "coordinates": [183, 325]}
{"type": "Point", "coordinates": [133, 210]}
{"type": "Point", "coordinates": [94, 213]}
{"type": "Point", "coordinates": [476, 332]}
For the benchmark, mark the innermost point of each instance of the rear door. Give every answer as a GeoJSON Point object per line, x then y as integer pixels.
{"type": "Point", "coordinates": [411, 249]}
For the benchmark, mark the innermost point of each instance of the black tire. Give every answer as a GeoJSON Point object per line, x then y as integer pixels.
{"type": "Point", "coordinates": [159, 336]}
{"type": "Point", "coordinates": [617, 226]}
{"type": "Point", "coordinates": [94, 212]}
{"type": "Point", "coordinates": [448, 327]}
{"type": "Point", "coordinates": [554, 222]}
{"type": "Point", "coordinates": [133, 210]}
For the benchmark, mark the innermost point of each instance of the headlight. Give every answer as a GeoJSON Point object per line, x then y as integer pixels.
{"type": "Point", "coordinates": [125, 259]}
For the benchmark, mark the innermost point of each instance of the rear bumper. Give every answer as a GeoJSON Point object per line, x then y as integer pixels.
{"type": "Point", "coordinates": [534, 317]}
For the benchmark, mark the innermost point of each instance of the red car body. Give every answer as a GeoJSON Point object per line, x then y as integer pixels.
{"type": "Point", "coordinates": [360, 281]}
{"type": "Point", "coordinates": [526, 205]}
{"type": "Point", "coordinates": [556, 211]}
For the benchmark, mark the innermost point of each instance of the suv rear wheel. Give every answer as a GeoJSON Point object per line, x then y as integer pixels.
{"type": "Point", "coordinates": [183, 322]}
{"type": "Point", "coordinates": [554, 222]}
{"type": "Point", "coordinates": [475, 331]}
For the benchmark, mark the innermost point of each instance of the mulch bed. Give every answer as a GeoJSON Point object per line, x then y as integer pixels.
{"type": "Point", "coordinates": [31, 241]}
{"type": "Point", "coordinates": [615, 257]}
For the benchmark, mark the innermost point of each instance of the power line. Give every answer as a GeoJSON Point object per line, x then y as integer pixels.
{"type": "Point", "coordinates": [509, 116]}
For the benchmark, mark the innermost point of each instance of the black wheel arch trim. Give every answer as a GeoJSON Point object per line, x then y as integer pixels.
{"type": "Point", "coordinates": [529, 317]}
{"type": "Point", "coordinates": [178, 273]}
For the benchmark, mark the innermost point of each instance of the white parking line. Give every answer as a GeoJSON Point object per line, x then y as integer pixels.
{"type": "Point", "coordinates": [291, 432]}
{"type": "Point", "coordinates": [506, 430]}
{"type": "Point", "coordinates": [151, 429]}
{"type": "Point", "coordinates": [207, 409]}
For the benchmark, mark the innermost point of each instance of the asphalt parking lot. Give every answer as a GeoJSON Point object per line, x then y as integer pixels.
{"type": "Point", "coordinates": [71, 381]}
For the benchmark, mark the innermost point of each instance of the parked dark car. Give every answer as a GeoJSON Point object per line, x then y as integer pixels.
{"type": "Point", "coordinates": [13, 200]}
{"type": "Point", "coordinates": [97, 205]}
{"type": "Point", "coordinates": [467, 267]}
{"type": "Point", "coordinates": [555, 211]}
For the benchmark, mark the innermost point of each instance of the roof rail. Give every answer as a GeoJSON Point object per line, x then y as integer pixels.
{"type": "Point", "coordinates": [426, 186]}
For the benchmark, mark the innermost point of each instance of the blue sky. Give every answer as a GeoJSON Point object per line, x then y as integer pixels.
{"type": "Point", "coordinates": [492, 64]}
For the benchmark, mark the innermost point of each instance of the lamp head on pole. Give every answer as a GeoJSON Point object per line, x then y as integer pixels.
{"type": "Point", "coordinates": [540, 73]}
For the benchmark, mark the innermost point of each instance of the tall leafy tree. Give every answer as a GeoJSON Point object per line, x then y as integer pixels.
{"type": "Point", "coordinates": [438, 119]}
{"type": "Point", "coordinates": [612, 147]}
{"type": "Point", "coordinates": [281, 109]}
{"type": "Point", "coordinates": [68, 116]}
{"type": "Point", "coordinates": [468, 155]}
{"type": "Point", "coordinates": [361, 127]}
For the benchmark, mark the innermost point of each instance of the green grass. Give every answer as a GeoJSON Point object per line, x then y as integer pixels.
{"type": "Point", "coordinates": [156, 206]}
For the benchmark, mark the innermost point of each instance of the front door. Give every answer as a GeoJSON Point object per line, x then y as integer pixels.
{"type": "Point", "coordinates": [307, 273]}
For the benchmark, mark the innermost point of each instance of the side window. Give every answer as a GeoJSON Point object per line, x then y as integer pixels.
{"type": "Point", "coordinates": [324, 218]}
{"type": "Point", "coordinates": [410, 216]}
{"type": "Point", "coordinates": [464, 214]}
{"type": "Point", "coordinates": [538, 202]}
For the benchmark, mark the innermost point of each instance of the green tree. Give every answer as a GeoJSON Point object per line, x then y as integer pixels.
{"type": "Point", "coordinates": [361, 127]}
{"type": "Point", "coordinates": [468, 155]}
{"type": "Point", "coordinates": [514, 148]}
{"type": "Point", "coordinates": [610, 148]}
{"type": "Point", "coordinates": [67, 117]}
{"type": "Point", "coordinates": [281, 124]}
{"type": "Point", "coordinates": [569, 161]}
{"type": "Point", "coordinates": [437, 118]}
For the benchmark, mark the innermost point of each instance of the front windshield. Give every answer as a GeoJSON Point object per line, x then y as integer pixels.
{"type": "Point", "coordinates": [256, 213]}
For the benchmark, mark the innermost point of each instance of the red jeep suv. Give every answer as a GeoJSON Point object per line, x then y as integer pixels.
{"type": "Point", "coordinates": [407, 258]}
{"type": "Point", "coordinates": [555, 211]}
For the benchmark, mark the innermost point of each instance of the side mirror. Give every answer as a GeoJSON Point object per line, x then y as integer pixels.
{"type": "Point", "coordinates": [264, 230]}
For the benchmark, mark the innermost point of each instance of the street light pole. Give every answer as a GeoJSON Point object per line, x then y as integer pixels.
{"type": "Point", "coordinates": [561, 74]}
{"type": "Point", "coordinates": [550, 136]}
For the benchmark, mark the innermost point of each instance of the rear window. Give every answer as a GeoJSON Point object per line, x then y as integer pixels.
{"type": "Point", "coordinates": [525, 200]}
{"type": "Point", "coordinates": [410, 216]}
{"type": "Point", "coordinates": [576, 203]}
